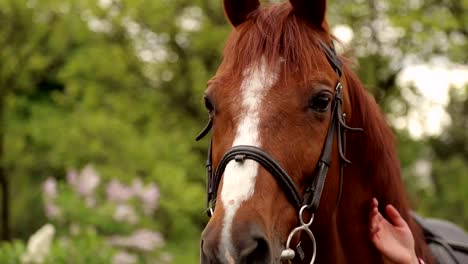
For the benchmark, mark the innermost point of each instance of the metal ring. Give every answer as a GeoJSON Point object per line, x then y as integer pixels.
{"type": "Point", "coordinates": [287, 255]}
{"type": "Point", "coordinates": [301, 217]}
{"type": "Point", "coordinates": [314, 245]}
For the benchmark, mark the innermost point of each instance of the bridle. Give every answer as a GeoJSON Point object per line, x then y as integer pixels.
{"type": "Point", "coordinates": [311, 199]}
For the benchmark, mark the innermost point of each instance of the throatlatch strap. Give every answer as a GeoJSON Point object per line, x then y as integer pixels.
{"type": "Point", "coordinates": [205, 130]}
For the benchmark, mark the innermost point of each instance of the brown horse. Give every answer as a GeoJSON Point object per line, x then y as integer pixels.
{"type": "Point", "coordinates": [277, 106]}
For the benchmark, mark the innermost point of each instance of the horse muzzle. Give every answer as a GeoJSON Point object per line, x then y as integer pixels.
{"type": "Point", "coordinates": [247, 245]}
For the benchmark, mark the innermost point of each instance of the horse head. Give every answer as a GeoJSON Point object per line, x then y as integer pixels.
{"type": "Point", "coordinates": [279, 105]}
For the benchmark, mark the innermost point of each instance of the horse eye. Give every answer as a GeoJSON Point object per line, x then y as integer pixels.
{"type": "Point", "coordinates": [320, 102]}
{"type": "Point", "coordinates": [209, 106]}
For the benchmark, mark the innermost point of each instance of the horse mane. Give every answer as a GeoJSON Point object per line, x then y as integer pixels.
{"type": "Point", "coordinates": [378, 155]}
{"type": "Point", "coordinates": [274, 33]}
{"type": "Point", "coordinates": [376, 144]}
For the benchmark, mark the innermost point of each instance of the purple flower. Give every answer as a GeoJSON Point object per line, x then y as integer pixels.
{"type": "Point", "coordinates": [125, 213]}
{"type": "Point", "coordinates": [123, 257]}
{"type": "Point", "coordinates": [49, 188]}
{"type": "Point", "coordinates": [118, 192]}
{"type": "Point", "coordinates": [72, 178]}
{"type": "Point", "coordinates": [143, 239]}
{"type": "Point", "coordinates": [150, 198]}
{"type": "Point", "coordinates": [87, 181]}
{"type": "Point", "coordinates": [52, 211]}
{"type": "Point", "coordinates": [149, 195]}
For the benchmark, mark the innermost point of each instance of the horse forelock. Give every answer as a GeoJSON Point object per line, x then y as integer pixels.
{"type": "Point", "coordinates": [275, 33]}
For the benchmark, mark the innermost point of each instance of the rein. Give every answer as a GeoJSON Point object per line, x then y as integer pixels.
{"type": "Point", "coordinates": [311, 199]}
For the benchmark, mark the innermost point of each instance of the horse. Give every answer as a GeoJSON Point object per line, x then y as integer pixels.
{"type": "Point", "coordinates": [298, 147]}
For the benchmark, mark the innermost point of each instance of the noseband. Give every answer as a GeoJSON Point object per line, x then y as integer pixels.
{"type": "Point", "coordinates": [311, 199]}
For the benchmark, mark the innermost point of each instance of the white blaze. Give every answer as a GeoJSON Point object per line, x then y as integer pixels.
{"type": "Point", "coordinates": [239, 178]}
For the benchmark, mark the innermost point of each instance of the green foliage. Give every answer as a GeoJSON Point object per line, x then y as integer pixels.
{"type": "Point", "coordinates": [89, 247]}
{"type": "Point", "coordinates": [95, 222]}
{"type": "Point", "coordinates": [10, 253]}
{"type": "Point", "coordinates": [387, 36]}
{"type": "Point", "coordinates": [91, 98]}
{"type": "Point", "coordinates": [447, 197]}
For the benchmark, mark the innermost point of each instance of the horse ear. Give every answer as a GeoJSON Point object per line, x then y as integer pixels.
{"type": "Point", "coordinates": [238, 10]}
{"type": "Point", "coordinates": [311, 10]}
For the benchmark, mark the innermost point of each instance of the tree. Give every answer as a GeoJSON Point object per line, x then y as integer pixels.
{"type": "Point", "coordinates": [449, 155]}
{"type": "Point", "coordinates": [112, 85]}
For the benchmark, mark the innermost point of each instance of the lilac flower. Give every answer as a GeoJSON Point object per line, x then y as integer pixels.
{"type": "Point", "coordinates": [72, 178]}
{"type": "Point", "coordinates": [49, 188]}
{"type": "Point", "coordinates": [125, 213]}
{"type": "Point", "coordinates": [118, 192]}
{"type": "Point", "coordinates": [87, 181]}
{"type": "Point", "coordinates": [143, 239]}
{"type": "Point", "coordinates": [38, 247]}
{"type": "Point", "coordinates": [150, 198]}
{"type": "Point", "coordinates": [149, 195]}
{"type": "Point", "coordinates": [52, 210]}
{"type": "Point", "coordinates": [123, 257]}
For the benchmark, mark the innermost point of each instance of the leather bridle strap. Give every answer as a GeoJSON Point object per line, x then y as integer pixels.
{"type": "Point", "coordinates": [332, 57]}
{"type": "Point", "coordinates": [241, 153]}
{"type": "Point", "coordinates": [314, 192]}
{"type": "Point", "coordinates": [208, 165]}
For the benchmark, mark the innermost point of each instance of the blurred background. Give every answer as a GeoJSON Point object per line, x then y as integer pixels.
{"type": "Point", "coordinates": [100, 101]}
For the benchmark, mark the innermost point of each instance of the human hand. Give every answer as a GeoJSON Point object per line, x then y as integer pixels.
{"type": "Point", "coordinates": [393, 239]}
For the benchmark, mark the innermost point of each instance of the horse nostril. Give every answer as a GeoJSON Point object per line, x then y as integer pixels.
{"type": "Point", "coordinates": [208, 251]}
{"type": "Point", "coordinates": [257, 251]}
{"type": "Point", "coordinates": [203, 257]}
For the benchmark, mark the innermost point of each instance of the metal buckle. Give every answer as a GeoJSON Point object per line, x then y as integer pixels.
{"type": "Point", "coordinates": [210, 212]}
{"type": "Point", "coordinates": [289, 254]}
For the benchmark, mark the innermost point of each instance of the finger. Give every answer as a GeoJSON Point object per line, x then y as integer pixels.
{"type": "Point", "coordinates": [373, 211]}
{"type": "Point", "coordinates": [374, 226]}
{"type": "Point", "coordinates": [394, 216]}
{"type": "Point", "coordinates": [376, 221]}
{"type": "Point", "coordinates": [375, 230]}
{"type": "Point", "coordinates": [374, 208]}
